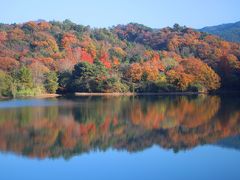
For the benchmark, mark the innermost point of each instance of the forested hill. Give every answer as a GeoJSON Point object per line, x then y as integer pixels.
{"type": "Point", "coordinates": [229, 32]}
{"type": "Point", "coordinates": [39, 57]}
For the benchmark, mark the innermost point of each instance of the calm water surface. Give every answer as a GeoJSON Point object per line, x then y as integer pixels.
{"type": "Point", "coordinates": [157, 137]}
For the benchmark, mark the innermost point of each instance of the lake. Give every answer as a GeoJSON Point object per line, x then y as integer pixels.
{"type": "Point", "coordinates": [143, 137]}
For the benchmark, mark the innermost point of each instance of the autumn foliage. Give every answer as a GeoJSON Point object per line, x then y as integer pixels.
{"type": "Point", "coordinates": [133, 55]}
{"type": "Point", "coordinates": [120, 123]}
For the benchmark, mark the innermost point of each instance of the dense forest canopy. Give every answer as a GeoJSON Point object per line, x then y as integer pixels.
{"type": "Point", "coordinates": [40, 57]}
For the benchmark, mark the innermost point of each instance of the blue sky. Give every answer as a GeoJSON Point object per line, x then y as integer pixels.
{"type": "Point", "coordinates": [105, 13]}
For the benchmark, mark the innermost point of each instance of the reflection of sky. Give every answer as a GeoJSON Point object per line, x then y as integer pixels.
{"type": "Point", "coordinates": [14, 103]}
{"type": "Point", "coordinates": [206, 162]}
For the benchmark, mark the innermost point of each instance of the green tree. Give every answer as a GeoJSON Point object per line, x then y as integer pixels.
{"type": "Point", "coordinates": [82, 77]}
{"type": "Point", "coordinates": [64, 80]}
{"type": "Point", "coordinates": [88, 77]}
{"type": "Point", "coordinates": [24, 78]}
{"type": "Point", "coordinates": [51, 82]}
{"type": "Point", "coordinates": [5, 84]}
{"type": "Point", "coordinates": [22, 84]}
{"type": "Point", "coordinates": [100, 71]}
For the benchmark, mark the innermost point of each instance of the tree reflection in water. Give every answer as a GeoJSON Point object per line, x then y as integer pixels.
{"type": "Point", "coordinates": [79, 125]}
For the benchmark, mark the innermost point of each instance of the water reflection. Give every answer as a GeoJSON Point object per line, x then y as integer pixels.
{"type": "Point", "coordinates": [71, 126]}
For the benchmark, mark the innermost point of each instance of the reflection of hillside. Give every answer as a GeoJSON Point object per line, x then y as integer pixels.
{"type": "Point", "coordinates": [123, 123]}
{"type": "Point", "coordinates": [172, 113]}
{"type": "Point", "coordinates": [230, 142]}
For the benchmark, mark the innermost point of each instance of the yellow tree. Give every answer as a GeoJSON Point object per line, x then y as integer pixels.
{"type": "Point", "coordinates": [135, 72]}
{"type": "Point", "coordinates": [202, 73]}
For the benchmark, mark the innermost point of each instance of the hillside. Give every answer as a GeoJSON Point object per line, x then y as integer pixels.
{"type": "Point", "coordinates": [38, 57]}
{"type": "Point", "coordinates": [229, 32]}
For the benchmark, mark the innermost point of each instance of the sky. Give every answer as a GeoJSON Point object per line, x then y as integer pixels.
{"type": "Point", "coordinates": [106, 13]}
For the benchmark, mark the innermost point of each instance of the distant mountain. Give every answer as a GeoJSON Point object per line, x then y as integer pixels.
{"type": "Point", "coordinates": [39, 21]}
{"type": "Point", "coordinates": [229, 32]}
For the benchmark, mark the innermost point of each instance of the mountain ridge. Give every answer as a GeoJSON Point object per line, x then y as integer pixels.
{"type": "Point", "coordinates": [227, 31]}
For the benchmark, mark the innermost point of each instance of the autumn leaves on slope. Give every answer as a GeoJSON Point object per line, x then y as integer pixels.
{"type": "Point", "coordinates": [119, 59]}
{"type": "Point", "coordinates": [176, 123]}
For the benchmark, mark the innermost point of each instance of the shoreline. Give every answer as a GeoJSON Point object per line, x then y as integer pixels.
{"type": "Point", "coordinates": [82, 94]}
{"type": "Point", "coordinates": [138, 94]}
{"type": "Point", "coordinates": [42, 96]}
